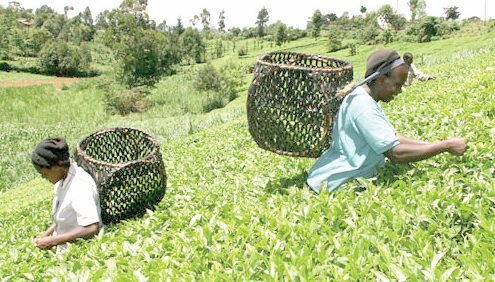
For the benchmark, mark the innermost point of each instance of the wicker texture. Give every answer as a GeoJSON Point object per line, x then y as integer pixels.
{"type": "Point", "coordinates": [292, 102]}
{"type": "Point", "coordinates": [127, 166]}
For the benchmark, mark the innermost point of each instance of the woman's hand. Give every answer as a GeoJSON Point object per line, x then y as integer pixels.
{"type": "Point", "coordinates": [43, 242]}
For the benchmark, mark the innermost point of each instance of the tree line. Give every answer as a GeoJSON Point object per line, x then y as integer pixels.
{"type": "Point", "coordinates": [143, 51]}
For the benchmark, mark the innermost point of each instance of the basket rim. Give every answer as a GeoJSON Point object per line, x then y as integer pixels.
{"type": "Point", "coordinates": [347, 65]}
{"type": "Point", "coordinates": [82, 154]}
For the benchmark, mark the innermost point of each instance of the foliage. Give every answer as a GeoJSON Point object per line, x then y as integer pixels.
{"type": "Point", "coordinates": [386, 36]}
{"type": "Point", "coordinates": [431, 28]}
{"type": "Point", "coordinates": [208, 78]}
{"type": "Point", "coordinates": [281, 34]}
{"type": "Point", "coordinates": [205, 21]}
{"type": "Point", "coordinates": [121, 100]}
{"type": "Point", "coordinates": [391, 17]}
{"type": "Point", "coordinates": [417, 8]}
{"type": "Point", "coordinates": [220, 87]}
{"type": "Point", "coordinates": [221, 21]}
{"type": "Point", "coordinates": [452, 13]}
{"type": "Point", "coordinates": [234, 212]}
{"type": "Point", "coordinates": [242, 50]}
{"type": "Point", "coordinates": [142, 58]}
{"type": "Point", "coordinates": [261, 21]}
{"type": "Point", "coordinates": [352, 49]}
{"type": "Point", "coordinates": [334, 39]}
{"type": "Point", "coordinates": [316, 23]}
{"type": "Point", "coordinates": [192, 45]}
{"type": "Point", "coordinates": [62, 59]}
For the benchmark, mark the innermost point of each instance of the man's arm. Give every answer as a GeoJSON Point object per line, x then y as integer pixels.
{"type": "Point", "coordinates": [418, 74]}
{"type": "Point", "coordinates": [412, 150]}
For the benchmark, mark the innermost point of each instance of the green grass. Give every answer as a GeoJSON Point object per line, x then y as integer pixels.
{"type": "Point", "coordinates": [9, 76]}
{"type": "Point", "coordinates": [233, 212]}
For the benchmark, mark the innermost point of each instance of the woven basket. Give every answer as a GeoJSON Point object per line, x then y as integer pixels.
{"type": "Point", "coordinates": [127, 166]}
{"type": "Point", "coordinates": [291, 102]}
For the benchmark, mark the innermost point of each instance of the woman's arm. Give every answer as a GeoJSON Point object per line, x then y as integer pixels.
{"type": "Point", "coordinates": [412, 150]}
{"type": "Point", "coordinates": [71, 236]}
{"type": "Point", "coordinates": [49, 231]}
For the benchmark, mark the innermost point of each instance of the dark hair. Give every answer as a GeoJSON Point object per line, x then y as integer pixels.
{"type": "Point", "coordinates": [407, 55]}
{"type": "Point", "coordinates": [51, 152]}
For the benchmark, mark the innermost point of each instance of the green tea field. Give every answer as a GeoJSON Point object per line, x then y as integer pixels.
{"type": "Point", "coordinates": [234, 212]}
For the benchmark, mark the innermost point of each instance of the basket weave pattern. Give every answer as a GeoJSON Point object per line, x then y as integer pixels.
{"type": "Point", "coordinates": [127, 166]}
{"type": "Point", "coordinates": [292, 102]}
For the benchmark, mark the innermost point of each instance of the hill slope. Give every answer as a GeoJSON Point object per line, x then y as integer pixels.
{"type": "Point", "coordinates": [234, 212]}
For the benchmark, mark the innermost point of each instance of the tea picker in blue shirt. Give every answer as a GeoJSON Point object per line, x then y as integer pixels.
{"type": "Point", "coordinates": [363, 137]}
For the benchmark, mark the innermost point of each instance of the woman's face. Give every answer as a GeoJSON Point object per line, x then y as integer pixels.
{"type": "Point", "coordinates": [53, 174]}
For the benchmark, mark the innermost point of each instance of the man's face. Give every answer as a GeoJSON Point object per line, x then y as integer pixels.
{"type": "Point", "coordinates": [391, 85]}
{"type": "Point", "coordinates": [408, 60]}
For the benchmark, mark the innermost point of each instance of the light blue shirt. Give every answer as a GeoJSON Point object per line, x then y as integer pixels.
{"type": "Point", "coordinates": [360, 137]}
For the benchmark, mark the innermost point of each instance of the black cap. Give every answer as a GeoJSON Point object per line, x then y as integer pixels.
{"type": "Point", "coordinates": [379, 60]}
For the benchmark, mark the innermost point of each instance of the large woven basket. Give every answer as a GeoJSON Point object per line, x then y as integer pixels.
{"type": "Point", "coordinates": [292, 102]}
{"type": "Point", "coordinates": [127, 166]}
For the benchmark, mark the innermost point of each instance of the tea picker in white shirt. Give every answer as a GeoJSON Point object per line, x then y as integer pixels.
{"type": "Point", "coordinates": [76, 206]}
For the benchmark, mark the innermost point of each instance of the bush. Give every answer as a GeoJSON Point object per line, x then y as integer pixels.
{"type": "Point", "coordinates": [221, 87]}
{"type": "Point", "coordinates": [242, 51]}
{"type": "Point", "coordinates": [214, 100]}
{"type": "Point", "coordinates": [207, 78]}
{"type": "Point", "coordinates": [61, 59]}
{"type": "Point", "coordinates": [352, 49]}
{"type": "Point", "coordinates": [5, 67]}
{"type": "Point", "coordinates": [120, 100]}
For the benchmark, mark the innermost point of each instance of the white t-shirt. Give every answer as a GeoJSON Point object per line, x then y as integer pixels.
{"type": "Point", "coordinates": [76, 202]}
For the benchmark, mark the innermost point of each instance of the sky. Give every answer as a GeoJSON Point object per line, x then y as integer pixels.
{"type": "Point", "coordinates": [243, 13]}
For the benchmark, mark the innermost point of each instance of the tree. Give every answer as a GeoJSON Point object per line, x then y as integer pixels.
{"type": "Point", "coordinates": [66, 10]}
{"type": "Point", "coordinates": [221, 21]}
{"type": "Point", "coordinates": [316, 23]}
{"type": "Point", "coordinates": [178, 29]}
{"type": "Point", "coordinates": [60, 58]}
{"type": "Point", "coordinates": [281, 33]}
{"type": "Point", "coordinates": [261, 21]}
{"type": "Point", "coordinates": [163, 27]}
{"type": "Point", "coordinates": [334, 42]}
{"type": "Point", "coordinates": [143, 57]}
{"type": "Point", "coordinates": [194, 21]}
{"type": "Point", "coordinates": [42, 14]}
{"type": "Point", "coordinates": [452, 13]}
{"type": "Point", "coordinates": [192, 45]}
{"type": "Point", "coordinates": [205, 21]}
{"type": "Point", "coordinates": [417, 8]}
{"type": "Point", "coordinates": [363, 10]}
{"type": "Point", "coordinates": [235, 31]}
{"type": "Point", "coordinates": [102, 20]}
{"type": "Point", "coordinates": [330, 18]}
{"type": "Point", "coordinates": [387, 13]}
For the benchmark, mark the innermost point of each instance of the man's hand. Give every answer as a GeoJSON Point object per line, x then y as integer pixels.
{"type": "Point", "coordinates": [457, 145]}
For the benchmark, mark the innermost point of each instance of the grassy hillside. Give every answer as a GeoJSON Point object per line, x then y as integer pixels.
{"type": "Point", "coordinates": [234, 212]}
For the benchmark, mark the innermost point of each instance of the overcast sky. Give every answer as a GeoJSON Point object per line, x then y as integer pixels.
{"type": "Point", "coordinates": [244, 13]}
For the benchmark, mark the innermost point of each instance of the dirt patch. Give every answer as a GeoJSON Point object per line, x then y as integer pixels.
{"type": "Point", "coordinates": [57, 82]}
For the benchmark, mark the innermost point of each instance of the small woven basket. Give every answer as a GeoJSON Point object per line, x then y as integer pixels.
{"type": "Point", "coordinates": [127, 166]}
{"type": "Point", "coordinates": [291, 102]}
